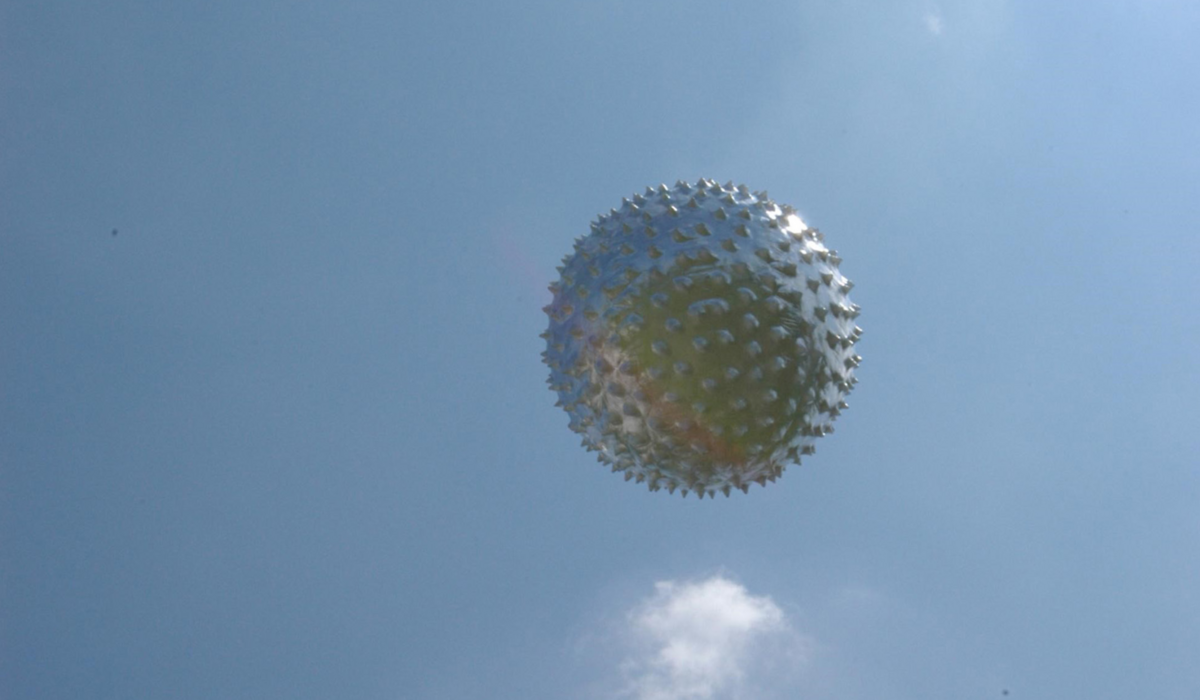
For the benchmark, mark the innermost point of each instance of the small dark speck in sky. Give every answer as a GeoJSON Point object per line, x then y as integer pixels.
{"type": "Point", "coordinates": [114, 232]}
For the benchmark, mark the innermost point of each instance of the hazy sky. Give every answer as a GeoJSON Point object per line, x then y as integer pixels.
{"type": "Point", "coordinates": [286, 433]}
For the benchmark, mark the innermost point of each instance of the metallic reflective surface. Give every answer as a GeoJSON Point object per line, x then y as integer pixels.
{"type": "Point", "coordinates": [701, 338]}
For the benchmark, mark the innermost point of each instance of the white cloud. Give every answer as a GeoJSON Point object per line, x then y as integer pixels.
{"type": "Point", "coordinates": [933, 22]}
{"type": "Point", "coordinates": [704, 640]}
{"type": "Point", "coordinates": [712, 639]}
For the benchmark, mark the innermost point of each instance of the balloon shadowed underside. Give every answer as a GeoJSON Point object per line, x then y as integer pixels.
{"type": "Point", "coordinates": [701, 338]}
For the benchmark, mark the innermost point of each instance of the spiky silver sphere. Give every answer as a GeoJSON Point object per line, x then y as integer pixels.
{"type": "Point", "coordinates": [701, 338]}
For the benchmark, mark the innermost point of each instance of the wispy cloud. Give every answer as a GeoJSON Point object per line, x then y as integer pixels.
{"type": "Point", "coordinates": [934, 23]}
{"type": "Point", "coordinates": [703, 640]}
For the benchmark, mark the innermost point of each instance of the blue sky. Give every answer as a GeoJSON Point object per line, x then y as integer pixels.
{"type": "Point", "coordinates": [287, 434]}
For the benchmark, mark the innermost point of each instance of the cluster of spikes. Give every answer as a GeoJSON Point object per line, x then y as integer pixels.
{"type": "Point", "coordinates": [701, 338]}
